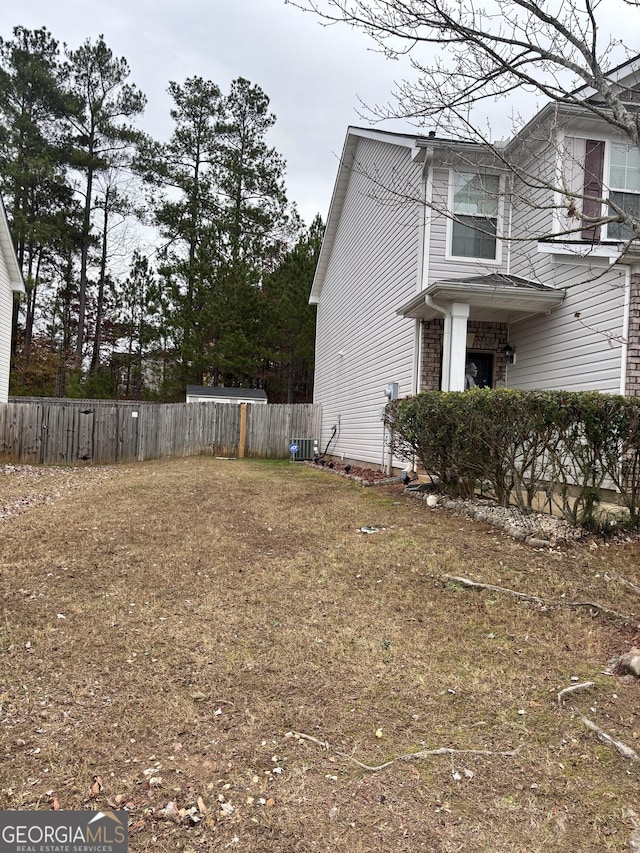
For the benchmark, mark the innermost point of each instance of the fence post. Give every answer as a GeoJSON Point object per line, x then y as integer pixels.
{"type": "Point", "coordinates": [243, 430]}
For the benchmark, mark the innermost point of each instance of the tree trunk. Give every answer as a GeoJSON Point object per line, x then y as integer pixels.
{"type": "Point", "coordinates": [95, 358]}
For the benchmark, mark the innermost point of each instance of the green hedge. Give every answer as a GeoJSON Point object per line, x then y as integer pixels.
{"type": "Point", "coordinates": [517, 444]}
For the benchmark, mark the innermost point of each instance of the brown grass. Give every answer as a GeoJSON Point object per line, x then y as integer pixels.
{"type": "Point", "coordinates": [165, 626]}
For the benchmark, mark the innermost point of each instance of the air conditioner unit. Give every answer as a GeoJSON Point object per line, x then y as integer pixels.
{"type": "Point", "coordinates": [302, 449]}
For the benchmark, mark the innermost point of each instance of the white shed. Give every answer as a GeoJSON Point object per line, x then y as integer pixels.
{"type": "Point", "coordinates": [211, 394]}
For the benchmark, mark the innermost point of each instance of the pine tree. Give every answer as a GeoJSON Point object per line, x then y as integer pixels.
{"type": "Point", "coordinates": [290, 325]}
{"type": "Point", "coordinates": [102, 134]}
{"type": "Point", "coordinates": [33, 168]}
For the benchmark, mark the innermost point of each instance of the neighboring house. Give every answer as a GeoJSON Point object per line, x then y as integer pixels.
{"type": "Point", "coordinates": [416, 279]}
{"type": "Point", "coordinates": [209, 394]}
{"type": "Point", "coordinates": [10, 283]}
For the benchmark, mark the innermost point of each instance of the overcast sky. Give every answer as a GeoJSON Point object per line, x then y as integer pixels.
{"type": "Point", "coordinates": [312, 74]}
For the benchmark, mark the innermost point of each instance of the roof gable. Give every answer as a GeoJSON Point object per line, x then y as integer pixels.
{"type": "Point", "coordinates": [416, 146]}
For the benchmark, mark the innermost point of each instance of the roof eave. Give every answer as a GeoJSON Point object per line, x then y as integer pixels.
{"type": "Point", "coordinates": [9, 253]}
{"type": "Point", "coordinates": [502, 298]}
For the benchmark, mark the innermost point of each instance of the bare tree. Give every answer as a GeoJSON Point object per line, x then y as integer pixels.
{"type": "Point", "coordinates": [464, 58]}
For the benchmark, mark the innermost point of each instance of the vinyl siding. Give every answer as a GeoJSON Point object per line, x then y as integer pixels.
{"type": "Point", "coordinates": [441, 267]}
{"type": "Point", "coordinates": [561, 351]}
{"type": "Point", "coordinates": [6, 309]}
{"type": "Point", "coordinates": [361, 344]}
{"type": "Point", "coordinates": [533, 217]}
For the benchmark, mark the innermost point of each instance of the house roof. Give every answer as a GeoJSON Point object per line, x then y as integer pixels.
{"type": "Point", "coordinates": [414, 143]}
{"type": "Point", "coordinates": [624, 73]}
{"type": "Point", "coordinates": [219, 391]}
{"type": "Point", "coordinates": [418, 144]}
{"type": "Point", "coordinates": [495, 297]}
{"type": "Point", "coordinates": [9, 253]}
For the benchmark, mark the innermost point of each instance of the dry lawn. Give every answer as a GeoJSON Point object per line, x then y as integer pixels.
{"type": "Point", "coordinates": [165, 628]}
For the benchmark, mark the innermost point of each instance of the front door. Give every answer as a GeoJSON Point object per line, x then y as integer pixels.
{"type": "Point", "coordinates": [484, 367]}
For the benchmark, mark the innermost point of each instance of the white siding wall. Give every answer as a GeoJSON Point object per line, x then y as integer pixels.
{"type": "Point", "coordinates": [361, 344]}
{"type": "Point", "coordinates": [562, 351]}
{"type": "Point", "coordinates": [6, 309]}
{"type": "Point", "coordinates": [533, 215]}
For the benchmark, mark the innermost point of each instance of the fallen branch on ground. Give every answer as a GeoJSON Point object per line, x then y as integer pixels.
{"type": "Point", "coordinates": [302, 736]}
{"type": "Point", "coordinates": [624, 581]}
{"type": "Point", "coordinates": [422, 753]}
{"type": "Point", "coordinates": [546, 602]}
{"type": "Point", "coordinates": [622, 748]}
{"type": "Point", "coordinates": [572, 689]}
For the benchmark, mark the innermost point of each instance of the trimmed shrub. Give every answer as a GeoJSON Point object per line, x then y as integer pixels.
{"type": "Point", "coordinates": [520, 444]}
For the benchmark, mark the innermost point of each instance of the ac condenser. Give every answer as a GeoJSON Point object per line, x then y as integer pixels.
{"type": "Point", "coordinates": [302, 449]}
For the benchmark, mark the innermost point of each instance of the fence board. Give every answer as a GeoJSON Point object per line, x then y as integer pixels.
{"type": "Point", "coordinates": [69, 432]}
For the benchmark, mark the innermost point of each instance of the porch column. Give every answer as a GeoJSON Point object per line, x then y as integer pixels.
{"type": "Point", "coordinates": [458, 353]}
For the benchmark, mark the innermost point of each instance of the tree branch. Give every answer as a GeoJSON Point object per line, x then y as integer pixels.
{"type": "Point", "coordinates": [622, 748]}
{"type": "Point", "coordinates": [409, 756]}
{"type": "Point", "coordinates": [546, 602]}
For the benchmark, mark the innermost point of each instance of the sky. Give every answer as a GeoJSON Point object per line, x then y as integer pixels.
{"type": "Point", "coordinates": [316, 76]}
{"type": "Point", "coordinates": [313, 75]}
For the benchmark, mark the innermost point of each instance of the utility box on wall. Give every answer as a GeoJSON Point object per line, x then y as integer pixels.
{"type": "Point", "coordinates": [391, 391]}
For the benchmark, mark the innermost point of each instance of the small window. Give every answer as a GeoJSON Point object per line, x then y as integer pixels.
{"type": "Point", "coordinates": [624, 183]}
{"type": "Point", "coordinates": [475, 210]}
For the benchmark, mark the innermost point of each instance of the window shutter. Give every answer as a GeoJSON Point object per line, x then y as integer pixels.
{"type": "Point", "coordinates": [593, 166]}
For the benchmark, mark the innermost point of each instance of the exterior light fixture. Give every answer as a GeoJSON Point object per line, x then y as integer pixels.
{"type": "Point", "coordinates": [509, 354]}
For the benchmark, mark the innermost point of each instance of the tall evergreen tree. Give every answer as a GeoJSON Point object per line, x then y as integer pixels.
{"type": "Point", "coordinates": [102, 133]}
{"type": "Point", "coordinates": [187, 215]}
{"type": "Point", "coordinates": [33, 159]}
{"type": "Point", "coordinates": [223, 218]}
{"type": "Point", "coordinates": [142, 331]}
{"type": "Point", "coordinates": [290, 321]}
{"type": "Point", "coordinates": [254, 222]}
{"type": "Point", "coordinates": [250, 175]}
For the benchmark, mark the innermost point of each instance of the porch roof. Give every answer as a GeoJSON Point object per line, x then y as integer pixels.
{"type": "Point", "coordinates": [495, 297]}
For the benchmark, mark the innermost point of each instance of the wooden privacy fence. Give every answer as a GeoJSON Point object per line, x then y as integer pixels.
{"type": "Point", "coordinates": [99, 432]}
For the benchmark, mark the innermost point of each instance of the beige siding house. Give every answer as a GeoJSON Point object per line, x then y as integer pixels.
{"type": "Point", "coordinates": [10, 282]}
{"type": "Point", "coordinates": [436, 256]}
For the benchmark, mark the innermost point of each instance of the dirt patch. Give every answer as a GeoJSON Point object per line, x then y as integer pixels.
{"type": "Point", "coordinates": [365, 476]}
{"type": "Point", "coordinates": [166, 628]}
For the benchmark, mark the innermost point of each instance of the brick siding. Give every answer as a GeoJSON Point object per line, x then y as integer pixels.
{"type": "Point", "coordinates": [488, 337]}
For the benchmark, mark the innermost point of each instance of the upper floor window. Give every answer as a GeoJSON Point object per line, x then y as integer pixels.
{"type": "Point", "coordinates": [624, 187]}
{"type": "Point", "coordinates": [475, 211]}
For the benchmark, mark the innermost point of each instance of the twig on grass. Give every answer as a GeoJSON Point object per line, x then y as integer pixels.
{"type": "Point", "coordinates": [302, 736]}
{"type": "Point", "coordinates": [624, 581]}
{"type": "Point", "coordinates": [622, 748]}
{"type": "Point", "coordinates": [547, 602]}
{"type": "Point", "coordinates": [572, 689]}
{"type": "Point", "coordinates": [426, 753]}
{"type": "Point", "coordinates": [422, 753]}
